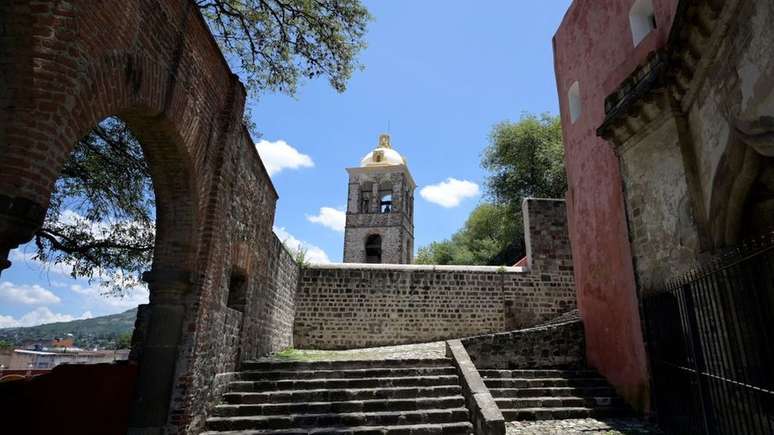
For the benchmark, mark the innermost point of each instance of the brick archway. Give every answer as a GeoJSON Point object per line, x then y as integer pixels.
{"type": "Point", "coordinates": [65, 66]}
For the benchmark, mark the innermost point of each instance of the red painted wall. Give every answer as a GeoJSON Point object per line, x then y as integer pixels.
{"type": "Point", "coordinates": [594, 46]}
{"type": "Point", "coordinates": [71, 399]}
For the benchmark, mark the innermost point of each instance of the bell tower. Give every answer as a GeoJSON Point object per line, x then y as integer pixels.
{"type": "Point", "coordinates": [380, 208]}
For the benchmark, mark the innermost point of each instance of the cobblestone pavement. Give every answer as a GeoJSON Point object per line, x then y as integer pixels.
{"type": "Point", "coordinates": [585, 426]}
{"type": "Point", "coordinates": [408, 351]}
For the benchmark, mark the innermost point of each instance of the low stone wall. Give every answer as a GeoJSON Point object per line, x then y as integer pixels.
{"type": "Point", "coordinates": [556, 345]}
{"type": "Point", "coordinates": [340, 306]}
{"type": "Point", "coordinates": [485, 414]}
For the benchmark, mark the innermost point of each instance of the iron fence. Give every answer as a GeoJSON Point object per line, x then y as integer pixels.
{"type": "Point", "coordinates": [710, 340]}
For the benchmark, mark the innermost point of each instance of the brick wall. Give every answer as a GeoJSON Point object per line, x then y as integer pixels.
{"type": "Point", "coordinates": [275, 308]}
{"type": "Point", "coordinates": [260, 320]}
{"type": "Point", "coordinates": [65, 66]}
{"type": "Point", "coordinates": [358, 305]}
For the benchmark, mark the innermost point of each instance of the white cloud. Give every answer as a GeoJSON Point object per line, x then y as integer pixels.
{"type": "Point", "coordinates": [22, 257]}
{"type": "Point", "coordinates": [449, 193]}
{"type": "Point", "coordinates": [7, 322]}
{"type": "Point", "coordinates": [279, 155]}
{"type": "Point", "coordinates": [26, 294]}
{"type": "Point", "coordinates": [96, 295]}
{"type": "Point", "coordinates": [39, 316]}
{"type": "Point", "coordinates": [314, 254]}
{"type": "Point", "coordinates": [330, 218]}
{"type": "Point", "coordinates": [19, 257]}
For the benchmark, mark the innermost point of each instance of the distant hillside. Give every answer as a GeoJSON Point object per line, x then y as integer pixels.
{"type": "Point", "coordinates": [100, 332]}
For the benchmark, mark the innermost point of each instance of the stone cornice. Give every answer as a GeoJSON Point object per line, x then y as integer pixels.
{"type": "Point", "coordinates": [417, 267]}
{"type": "Point", "coordinates": [671, 74]}
{"type": "Point", "coordinates": [383, 170]}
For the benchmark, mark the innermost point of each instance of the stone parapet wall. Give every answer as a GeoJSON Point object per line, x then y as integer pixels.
{"type": "Point", "coordinates": [485, 414]}
{"type": "Point", "coordinates": [340, 306]}
{"type": "Point", "coordinates": [550, 346]}
{"type": "Point", "coordinates": [364, 305]}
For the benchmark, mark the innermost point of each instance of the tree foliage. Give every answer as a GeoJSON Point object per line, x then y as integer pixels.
{"type": "Point", "coordinates": [490, 236]}
{"type": "Point", "coordinates": [124, 340]}
{"type": "Point", "coordinates": [524, 159]}
{"type": "Point", "coordinates": [100, 220]}
{"type": "Point", "coordinates": [276, 42]}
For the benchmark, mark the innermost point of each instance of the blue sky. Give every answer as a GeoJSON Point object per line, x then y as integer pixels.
{"type": "Point", "coordinates": [441, 73]}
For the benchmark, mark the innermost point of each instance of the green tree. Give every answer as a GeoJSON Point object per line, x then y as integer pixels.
{"type": "Point", "coordinates": [277, 42]}
{"type": "Point", "coordinates": [100, 223]}
{"type": "Point", "coordinates": [124, 341]}
{"type": "Point", "coordinates": [490, 236]}
{"type": "Point", "coordinates": [524, 159]}
{"type": "Point", "coordinates": [100, 220]}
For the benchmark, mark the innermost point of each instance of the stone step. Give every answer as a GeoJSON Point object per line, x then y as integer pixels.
{"type": "Point", "coordinates": [562, 413]}
{"type": "Point", "coordinates": [558, 402]}
{"type": "Point", "coordinates": [337, 395]}
{"type": "Point", "coordinates": [373, 372]}
{"type": "Point", "coordinates": [455, 428]}
{"type": "Point", "coordinates": [430, 416]}
{"type": "Point", "coordinates": [313, 384]}
{"type": "Point", "coordinates": [552, 392]}
{"type": "Point", "coordinates": [532, 374]}
{"type": "Point", "coordinates": [544, 382]}
{"type": "Point", "coordinates": [345, 365]}
{"type": "Point", "coordinates": [333, 407]}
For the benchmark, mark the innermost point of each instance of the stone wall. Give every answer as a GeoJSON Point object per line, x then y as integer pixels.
{"type": "Point", "coordinates": [729, 110]}
{"type": "Point", "coordinates": [556, 345]}
{"type": "Point", "coordinates": [658, 207]}
{"type": "Point", "coordinates": [696, 171]}
{"type": "Point", "coordinates": [359, 305]}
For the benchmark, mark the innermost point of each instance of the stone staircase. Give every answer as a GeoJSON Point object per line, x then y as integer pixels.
{"type": "Point", "coordinates": [416, 396]}
{"type": "Point", "coordinates": [552, 394]}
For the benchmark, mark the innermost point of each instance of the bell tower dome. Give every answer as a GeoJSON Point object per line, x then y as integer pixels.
{"type": "Point", "coordinates": [380, 208]}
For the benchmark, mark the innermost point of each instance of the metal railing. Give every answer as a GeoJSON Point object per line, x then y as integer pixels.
{"type": "Point", "coordinates": [710, 340]}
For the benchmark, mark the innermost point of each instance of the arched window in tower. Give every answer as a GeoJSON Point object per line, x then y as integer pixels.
{"type": "Point", "coordinates": [373, 249]}
{"type": "Point", "coordinates": [642, 20]}
{"type": "Point", "coordinates": [385, 197]}
{"type": "Point", "coordinates": [385, 205]}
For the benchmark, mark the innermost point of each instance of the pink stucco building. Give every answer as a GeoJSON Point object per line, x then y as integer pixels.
{"type": "Point", "coordinates": [598, 44]}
